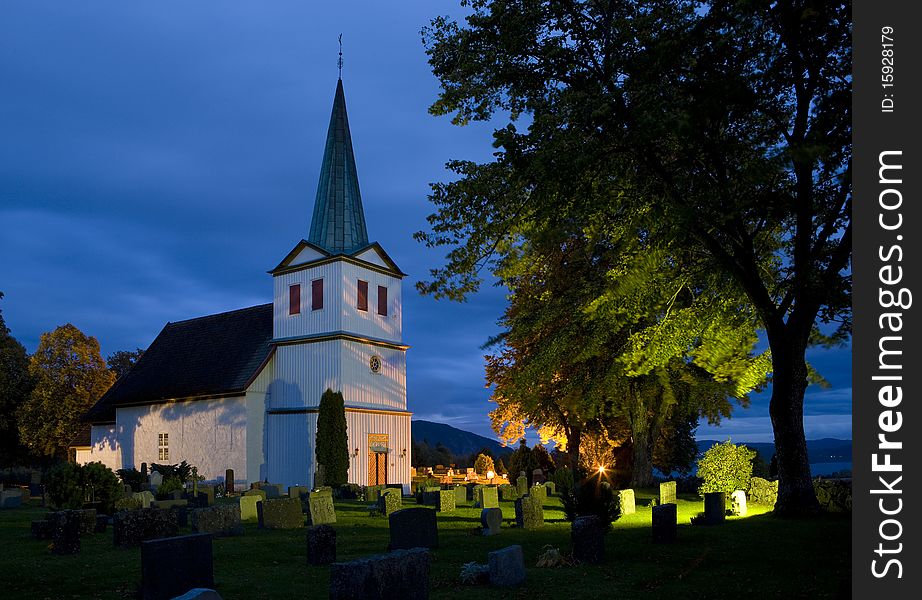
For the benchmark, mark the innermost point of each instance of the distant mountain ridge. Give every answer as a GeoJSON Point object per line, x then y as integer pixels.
{"type": "Point", "coordinates": [825, 450]}
{"type": "Point", "coordinates": [458, 441]}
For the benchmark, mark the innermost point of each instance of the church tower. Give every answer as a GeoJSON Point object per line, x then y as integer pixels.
{"type": "Point", "coordinates": [337, 320]}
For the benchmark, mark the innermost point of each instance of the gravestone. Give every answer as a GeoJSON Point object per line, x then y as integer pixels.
{"type": "Point", "coordinates": [667, 492]}
{"type": "Point", "coordinates": [155, 479]}
{"type": "Point", "coordinates": [489, 498]}
{"type": "Point", "coordinates": [521, 483]}
{"type": "Point", "coordinates": [182, 515]}
{"type": "Point", "coordinates": [297, 491]}
{"type": "Point", "coordinates": [475, 493]}
{"type": "Point", "coordinates": [529, 513]}
{"type": "Point", "coordinates": [738, 503]}
{"type": "Point", "coordinates": [626, 502]}
{"type": "Point", "coordinates": [207, 491]}
{"type": "Point", "coordinates": [273, 490]}
{"type": "Point", "coordinates": [320, 510]}
{"type": "Point", "coordinates": [372, 492]}
{"type": "Point", "coordinates": [664, 523]}
{"type": "Point", "coordinates": [430, 495]}
{"type": "Point", "coordinates": [588, 538]}
{"type": "Point", "coordinates": [491, 520]}
{"type": "Point", "coordinates": [87, 519]}
{"type": "Point", "coordinates": [41, 530]}
{"type": "Point", "coordinates": [144, 497]}
{"type": "Point", "coordinates": [280, 513]}
{"type": "Point", "coordinates": [413, 528]}
{"type": "Point", "coordinates": [229, 481]}
{"type": "Point", "coordinates": [167, 504]}
{"type": "Point", "coordinates": [551, 487]}
{"type": "Point", "coordinates": [539, 492]}
{"type": "Point", "coordinates": [508, 493]}
{"type": "Point", "coordinates": [507, 567]}
{"type": "Point", "coordinates": [36, 490]}
{"type": "Point", "coordinates": [127, 503]}
{"type": "Point", "coordinates": [247, 505]}
{"type": "Point", "coordinates": [402, 574]}
{"type": "Point", "coordinates": [65, 531]}
{"type": "Point", "coordinates": [389, 503]}
{"type": "Point", "coordinates": [131, 527]}
{"type": "Point", "coordinates": [537, 476]}
{"type": "Point", "coordinates": [258, 493]}
{"type": "Point", "coordinates": [172, 566]}
{"type": "Point", "coordinates": [177, 494]}
{"type": "Point", "coordinates": [446, 501]}
{"type": "Point", "coordinates": [218, 520]}
{"type": "Point", "coordinates": [321, 545]}
{"type": "Point", "coordinates": [144, 470]}
{"type": "Point", "coordinates": [715, 508]}
{"type": "Point", "coordinates": [10, 499]}
{"type": "Point", "coordinates": [460, 494]}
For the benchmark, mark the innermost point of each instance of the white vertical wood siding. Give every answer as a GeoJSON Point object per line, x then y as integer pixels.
{"type": "Point", "coordinates": [85, 455]}
{"type": "Point", "coordinates": [397, 427]}
{"type": "Point", "coordinates": [291, 438]}
{"type": "Point", "coordinates": [364, 388]}
{"type": "Point", "coordinates": [369, 323]}
{"type": "Point", "coordinates": [303, 372]}
{"type": "Point", "coordinates": [324, 320]}
{"type": "Point", "coordinates": [104, 448]}
{"type": "Point", "coordinates": [256, 405]}
{"type": "Point", "coordinates": [208, 434]}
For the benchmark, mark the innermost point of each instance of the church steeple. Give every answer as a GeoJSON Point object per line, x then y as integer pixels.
{"type": "Point", "coordinates": [338, 222]}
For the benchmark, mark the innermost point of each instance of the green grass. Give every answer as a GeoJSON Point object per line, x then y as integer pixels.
{"type": "Point", "coordinates": [759, 556]}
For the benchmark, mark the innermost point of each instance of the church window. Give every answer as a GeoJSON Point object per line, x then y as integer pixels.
{"type": "Point", "coordinates": [382, 300]}
{"type": "Point", "coordinates": [294, 299]}
{"type": "Point", "coordinates": [362, 299]}
{"type": "Point", "coordinates": [163, 446]}
{"type": "Point", "coordinates": [317, 294]}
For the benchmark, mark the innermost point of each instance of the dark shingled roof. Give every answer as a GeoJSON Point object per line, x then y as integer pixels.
{"type": "Point", "coordinates": [208, 356]}
{"type": "Point", "coordinates": [83, 438]}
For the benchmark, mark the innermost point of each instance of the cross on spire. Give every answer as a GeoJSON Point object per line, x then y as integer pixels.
{"type": "Point", "coordinates": [339, 63]}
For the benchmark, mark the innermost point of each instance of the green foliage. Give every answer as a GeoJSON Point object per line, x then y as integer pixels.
{"type": "Point", "coordinates": [501, 468]}
{"type": "Point", "coordinates": [70, 376]}
{"type": "Point", "coordinates": [182, 471]}
{"type": "Point", "coordinates": [131, 477]}
{"type": "Point", "coordinates": [563, 479]}
{"type": "Point", "coordinates": [725, 468]}
{"type": "Point", "coordinates": [15, 387]}
{"type": "Point", "coordinates": [101, 485]}
{"type": "Point", "coordinates": [169, 485]}
{"type": "Point", "coordinates": [592, 497]}
{"type": "Point", "coordinates": [483, 464]}
{"type": "Point", "coordinates": [332, 446]}
{"type": "Point", "coordinates": [121, 361]}
{"type": "Point", "coordinates": [64, 485]}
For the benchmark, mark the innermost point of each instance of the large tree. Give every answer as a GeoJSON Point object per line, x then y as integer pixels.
{"type": "Point", "coordinates": [121, 361]}
{"type": "Point", "coordinates": [70, 376]}
{"type": "Point", "coordinates": [724, 125]}
{"type": "Point", "coordinates": [15, 386]}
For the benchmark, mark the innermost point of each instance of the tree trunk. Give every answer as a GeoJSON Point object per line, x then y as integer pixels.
{"type": "Point", "coordinates": [642, 456]}
{"type": "Point", "coordinates": [573, 442]}
{"type": "Point", "coordinates": [789, 383]}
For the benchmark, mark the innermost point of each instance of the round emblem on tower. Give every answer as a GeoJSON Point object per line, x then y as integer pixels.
{"type": "Point", "coordinates": [375, 363]}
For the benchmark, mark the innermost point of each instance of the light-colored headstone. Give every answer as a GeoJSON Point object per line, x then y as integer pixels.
{"type": "Point", "coordinates": [145, 497]}
{"type": "Point", "coordinates": [667, 492]}
{"type": "Point", "coordinates": [738, 503]}
{"type": "Point", "coordinates": [626, 501]}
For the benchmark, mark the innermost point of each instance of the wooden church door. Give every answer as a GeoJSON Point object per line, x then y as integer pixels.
{"type": "Point", "coordinates": [377, 468]}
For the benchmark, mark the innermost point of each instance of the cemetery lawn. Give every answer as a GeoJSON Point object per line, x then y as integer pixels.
{"type": "Point", "coordinates": [759, 556]}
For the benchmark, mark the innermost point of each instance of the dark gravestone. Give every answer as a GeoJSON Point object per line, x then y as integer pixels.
{"type": "Point", "coordinates": [715, 508]}
{"type": "Point", "coordinates": [551, 487]}
{"type": "Point", "coordinates": [102, 522]}
{"type": "Point", "coordinates": [460, 494]}
{"type": "Point", "coordinates": [144, 470]}
{"type": "Point", "coordinates": [36, 490]}
{"type": "Point", "coordinates": [491, 519]}
{"type": "Point", "coordinates": [537, 476]}
{"type": "Point", "coordinates": [320, 509]}
{"type": "Point", "coordinates": [182, 515]}
{"type": "Point", "coordinates": [413, 528]}
{"type": "Point", "coordinates": [402, 574]}
{"type": "Point", "coordinates": [87, 518]}
{"type": "Point", "coordinates": [172, 566]}
{"type": "Point", "coordinates": [667, 492]}
{"type": "Point", "coordinates": [273, 490]}
{"type": "Point", "coordinates": [131, 527]}
{"type": "Point", "coordinates": [664, 523]}
{"type": "Point", "coordinates": [522, 484]}
{"type": "Point", "coordinates": [507, 567]}
{"type": "Point", "coordinates": [588, 538]}
{"type": "Point", "coordinates": [321, 545]}
{"type": "Point", "coordinates": [529, 513]}
{"type": "Point", "coordinates": [218, 520]}
{"type": "Point", "coordinates": [280, 513]}
{"type": "Point", "coordinates": [508, 493]}
{"type": "Point", "coordinates": [65, 532]}
{"type": "Point", "coordinates": [41, 530]}
{"type": "Point", "coordinates": [229, 481]}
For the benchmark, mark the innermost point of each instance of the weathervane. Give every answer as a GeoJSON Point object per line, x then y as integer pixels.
{"type": "Point", "coordinates": [339, 63]}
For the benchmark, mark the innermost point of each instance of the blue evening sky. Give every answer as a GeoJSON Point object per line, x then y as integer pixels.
{"type": "Point", "coordinates": [156, 159]}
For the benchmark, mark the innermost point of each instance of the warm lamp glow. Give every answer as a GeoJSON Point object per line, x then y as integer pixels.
{"type": "Point", "coordinates": [490, 474]}
{"type": "Point", "coordinates": [601, 470]}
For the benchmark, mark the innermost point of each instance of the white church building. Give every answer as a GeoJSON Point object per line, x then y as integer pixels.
{"type": "Point", "coordinates": [240, 390]}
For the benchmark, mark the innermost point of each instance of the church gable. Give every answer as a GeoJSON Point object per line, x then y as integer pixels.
{"type": "Point", "coordinates": [375, 254]}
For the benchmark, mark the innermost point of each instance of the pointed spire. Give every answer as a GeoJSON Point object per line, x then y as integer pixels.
{"type": "Point", "coordinates": [338, 222]}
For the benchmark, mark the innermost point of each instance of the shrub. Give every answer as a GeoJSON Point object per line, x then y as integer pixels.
{"type": "Point", "coordinates": [101, 485]}
{"type": "Point", "coordinates": [64, 486]}
{"type": "Point", "coordinates": [725, 467]}
{"type": "Point", "coordinates": [349, 491]}
{"type": "Point", "coordinates": [563, 479]}
{"type": "Point", "coordinates": [131, 477]}
{"type": "Point", "coordinates": [501, 467]}
{"type": "Point", "coordinates": [168, 486]}
{"type": "Point", "coordinates": [331, 444]}
{"type": "Point", "coordinates": [592, 498]}
{"type": "Point", "coordinates": [482, 464]}
{"type": "Point", "coordinates": [183, 471]}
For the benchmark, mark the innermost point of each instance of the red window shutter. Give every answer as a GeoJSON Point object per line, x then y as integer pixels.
{"type": "Point", "coordinates": [317, 294]}
{"type": "Point", "coordinates": [382, 300]}
{"type": "Point", "coordinates": [294, 299]}
{"type": "Point", "coordinates": [362, 299]}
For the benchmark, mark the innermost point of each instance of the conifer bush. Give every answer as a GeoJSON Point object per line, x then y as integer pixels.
{"type": "Point", "coordinates": [332, 445]}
